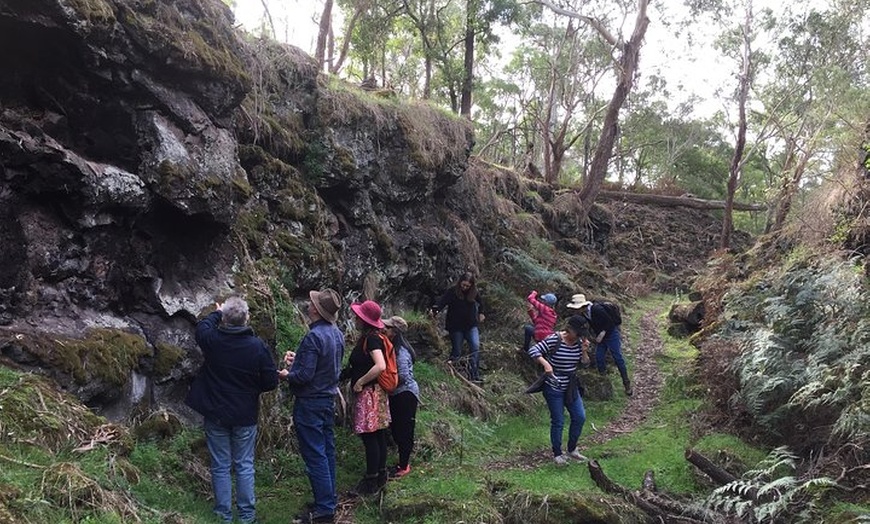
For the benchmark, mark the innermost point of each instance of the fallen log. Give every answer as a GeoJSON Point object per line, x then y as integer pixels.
{"type": "Point", "coordinates": [676, 201]}
{"type": "Point", "coordinates": [474, 387]}
{"type": "Point", "coordinates": [719, 475]}
{"type": "Point", "coordinates": [660, 508]}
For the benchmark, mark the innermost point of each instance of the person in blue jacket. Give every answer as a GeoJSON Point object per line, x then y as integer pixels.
{"type": "Point", "coordinates": [237, 368]}
{"type": "Point", "coordinates": [313, 379]}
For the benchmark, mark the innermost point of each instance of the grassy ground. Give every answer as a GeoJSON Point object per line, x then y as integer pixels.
{"type": "Point", "coordinates": [473, 469]}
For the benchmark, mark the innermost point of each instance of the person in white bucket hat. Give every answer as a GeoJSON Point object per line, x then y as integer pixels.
{"type": "Point", "coordinates": [604, 323]}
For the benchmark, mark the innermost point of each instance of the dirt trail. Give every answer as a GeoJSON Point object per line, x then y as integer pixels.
{"type": "Point", "coordinates": [647, 382]}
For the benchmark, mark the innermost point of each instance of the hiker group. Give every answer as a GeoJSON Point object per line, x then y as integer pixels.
{"type": "Point", "coordinates": [238, 367]}
{"type": "Point", "coordinates": [562, 353]}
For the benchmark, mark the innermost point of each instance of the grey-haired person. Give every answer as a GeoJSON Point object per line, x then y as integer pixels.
{"type": "Point", "coordinates": [237, 368]}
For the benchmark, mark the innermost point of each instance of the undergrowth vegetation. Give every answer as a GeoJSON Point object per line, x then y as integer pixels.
{"type": "Point", "coordinates": [805, 363]}
{"type": "Point", "coordinates": [481, 456]}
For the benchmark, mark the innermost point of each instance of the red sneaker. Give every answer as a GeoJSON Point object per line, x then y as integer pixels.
{"type": "Point", "coordinates": [398, 472]}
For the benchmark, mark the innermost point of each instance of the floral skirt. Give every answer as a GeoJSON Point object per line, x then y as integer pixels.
{"type": "Point", "coordinates": [371, 410]}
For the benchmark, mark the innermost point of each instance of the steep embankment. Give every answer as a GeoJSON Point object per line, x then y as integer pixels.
{"type": "Point", "coordinates": [154, 160]}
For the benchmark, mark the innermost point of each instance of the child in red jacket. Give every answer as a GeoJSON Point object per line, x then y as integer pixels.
{"type": "Point", "coordinates": [543, 318]}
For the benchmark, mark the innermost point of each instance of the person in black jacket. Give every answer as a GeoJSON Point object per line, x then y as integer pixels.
{"type": "Point", "coordinates": [607, 335]}
{"type": "Point", "coordinates": [464, 314]}
{"type": "Point", "coordinates": [238, 367]}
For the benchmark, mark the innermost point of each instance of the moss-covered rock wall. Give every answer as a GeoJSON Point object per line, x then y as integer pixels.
{"type": "Point", "coordinates": [154, 160]}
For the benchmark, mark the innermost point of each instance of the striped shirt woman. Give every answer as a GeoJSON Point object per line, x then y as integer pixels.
{"type": "Point", "coordinates": [559, 356]}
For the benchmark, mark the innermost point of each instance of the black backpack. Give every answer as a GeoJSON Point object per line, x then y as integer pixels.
{"type": "Point", "coordinates": [612, 311]}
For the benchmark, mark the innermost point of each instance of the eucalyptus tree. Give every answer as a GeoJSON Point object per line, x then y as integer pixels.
{"type": "Point", "coordinates": [481, 16]}
{"type": "Point", "coordinates": [561, 67]}
{"type": "Point", "coordinates": [626, 54]}
{"type": "Point", "coordinates": [430, 18]}
{"type": "Point", "coordinates": [819, 96]}
{"type": "Point", "coordinates": [368, 30]}
{"type": "Point", "coordinates": [745, 77]}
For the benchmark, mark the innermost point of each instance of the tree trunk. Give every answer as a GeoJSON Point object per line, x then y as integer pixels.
{"type": "Point", "coordinates": [468, 61]}
{"type": "Point", "coordinates": [676, 201]}
{"type": "Point", "coordinates": [603, 151]}
{"type": "Point", "coordinates": [427, 77]}
{"type": "Point", "coordinates": [737, 160]}
{"type": "Point", "coordinates": [336, 64]}
{"type": "Point", "coordinates": [323, 33]}
{"type": "Point", "coordinates": [269, 17]}
{"type": "Point", "coordinates": [719, 475]}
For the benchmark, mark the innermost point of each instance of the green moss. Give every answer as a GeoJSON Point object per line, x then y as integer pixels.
{"type": "Point", "coordinates": [201, 40]}
{"type": "Point", "coordinates": [107, 354]}
{"type": "Point", "coordinates": [252, 225]}
{"type": "Point", "coordinates": [34, 411]}
{"type": "Point", "coordinates": [383, 242]}
{"type": "Point", "coordinates": [95, 11]}
{"type": "Point", "coordinates": [242, 187]}
{"type": "Point", "coordinates": [345, 160]}
{"type": "Point", "coordinates": [171, 176]}
{"type": "Point", "coordinates": [166, 357]}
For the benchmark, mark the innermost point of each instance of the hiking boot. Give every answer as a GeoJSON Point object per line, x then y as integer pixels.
{"type": "Point", "coordinates": [628, 389]}
{"type": "Point", "coordinates": [368, 485]}
{"type": "Point", "coordinates": [398, 472]}
{"type": "Point", "coordinates": [560, 460]}
{"type": "Point", "coordinates": [575, 454]}
{"type": "Point", "coordinates": [308, 518]}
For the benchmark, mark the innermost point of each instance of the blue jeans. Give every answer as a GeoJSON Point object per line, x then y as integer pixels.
{"type": "Point", "coordinates": [313, 419]}
{"type": "Point", "coordinates": [232, 448]}
{"type": "Point", "coordinates": [472, 336]}
{"type": "Point", "coordinates": [613, 342]}
{"type": "Point", "coordinates": [557, 404]}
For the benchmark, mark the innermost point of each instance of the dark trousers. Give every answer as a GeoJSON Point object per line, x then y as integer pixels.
{"type": "Point", "coordinates": [403, 411]}
{"type": "Point", "coordinates": [375, 444]}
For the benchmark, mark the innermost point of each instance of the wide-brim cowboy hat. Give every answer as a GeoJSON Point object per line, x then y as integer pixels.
{"type": "Point", "coordinates": [326, 303]}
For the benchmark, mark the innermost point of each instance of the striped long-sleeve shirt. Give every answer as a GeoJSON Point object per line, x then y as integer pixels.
{"type": "Point", "coordinates": [562, 356]}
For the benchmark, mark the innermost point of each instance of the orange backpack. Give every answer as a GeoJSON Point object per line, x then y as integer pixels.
{"type": "Point", "coordinates": [389, 377]}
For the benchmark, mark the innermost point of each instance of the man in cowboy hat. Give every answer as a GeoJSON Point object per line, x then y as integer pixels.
{"type": "Point", "coordinates": [605, 329]}
{"type": "Point", "coordinates": [313, 380]}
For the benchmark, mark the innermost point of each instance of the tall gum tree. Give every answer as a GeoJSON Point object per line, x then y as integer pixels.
{"type": "Point", "coordinates": [818, 98]}
{"type": "Point", "coordinates": [626, 66]}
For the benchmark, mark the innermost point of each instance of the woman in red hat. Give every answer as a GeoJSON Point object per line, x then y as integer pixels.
{"type": "Point", "coordinates": [371, 409]}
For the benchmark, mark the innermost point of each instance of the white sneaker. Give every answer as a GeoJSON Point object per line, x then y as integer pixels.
{"type": "Point", "coordinates": [561, 460]}
{"type": "Point", "coordinates": [575, 454]}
